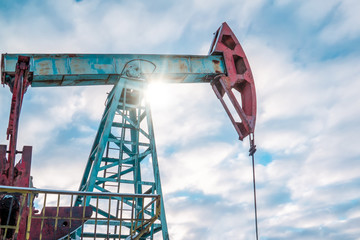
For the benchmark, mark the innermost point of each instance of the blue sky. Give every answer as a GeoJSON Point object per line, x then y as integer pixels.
{"type": "Point", "coordinates": [304, 57]}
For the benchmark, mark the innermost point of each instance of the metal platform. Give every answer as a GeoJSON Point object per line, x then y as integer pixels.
{"type": "Point", "coordinates": [53, 214]}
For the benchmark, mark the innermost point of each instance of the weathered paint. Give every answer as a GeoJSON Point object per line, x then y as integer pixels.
{"type": "Point", "coordinates": [57, 222]}
{"type": "Point", "coordinates": [18, 88]}
{"type": "Point", "coordinates": [49, 70]}
{"type": "Point", "coordinates": [238, 79]}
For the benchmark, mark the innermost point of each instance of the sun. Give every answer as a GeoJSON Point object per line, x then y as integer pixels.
{"type": "Point", "coordinates": [158, 94]}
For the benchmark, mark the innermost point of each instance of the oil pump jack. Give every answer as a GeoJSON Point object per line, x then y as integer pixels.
{"type": "Point", "coordinates": [114, 200]}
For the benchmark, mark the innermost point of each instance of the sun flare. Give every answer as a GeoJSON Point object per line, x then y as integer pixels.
{"type": "Point", "coordinates": [158, 94]}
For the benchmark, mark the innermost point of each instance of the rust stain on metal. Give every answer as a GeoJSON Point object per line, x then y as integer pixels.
{"type": "Point", "coordinates": [76, 67]}
{"type": "Point", "coordinates": [100, 66]}
{"type": "Point", "coordinates": [183, 67]}
{"type": "Point", "coordinates": [217, 66]}
{"type": "Point", "coordinates": [48, 82]}
{"type": "Point", "coordinates": [44, 68]}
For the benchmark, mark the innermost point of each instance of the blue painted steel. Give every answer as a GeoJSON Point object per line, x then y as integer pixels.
{"type": "Point", "coordinates": [124, 142]}
{"type": "Point", "coordinates": [102, 69]}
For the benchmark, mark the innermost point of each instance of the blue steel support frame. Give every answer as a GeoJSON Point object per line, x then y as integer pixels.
{"type": "Point", "coordinates": [123, 144]}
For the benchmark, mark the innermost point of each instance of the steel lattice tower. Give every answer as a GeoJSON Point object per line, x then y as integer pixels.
{"type": "Point", "coordinates": [123, 144]}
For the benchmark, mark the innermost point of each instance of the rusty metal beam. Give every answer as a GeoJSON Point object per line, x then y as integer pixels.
{"type": "Point", "coordinates": [50, 70]}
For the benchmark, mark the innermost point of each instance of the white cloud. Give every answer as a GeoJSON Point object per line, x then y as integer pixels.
{"type": "Point", "coordinates": [307, 117]}
{"type": "Point", "coordinates": [190, 110]}
{"type": "Point", "coordinates": [307, 10]}
{"type": "Point", "coordinates": [54, 109]}
{"type": "Point", "coordinates": [344, 26]}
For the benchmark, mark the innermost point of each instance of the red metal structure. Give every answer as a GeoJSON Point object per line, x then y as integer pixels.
{"type": "Point", "coordinates": [238, 78]}
{"type": "Point", "coordinates": [18, 175]}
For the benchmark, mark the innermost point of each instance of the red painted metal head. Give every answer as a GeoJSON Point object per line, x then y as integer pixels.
{"type": "Point", "coordinates": [238, 79]}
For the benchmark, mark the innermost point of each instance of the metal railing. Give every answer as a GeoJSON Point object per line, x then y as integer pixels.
{"type": "Point", "coordinates": [126, 216]}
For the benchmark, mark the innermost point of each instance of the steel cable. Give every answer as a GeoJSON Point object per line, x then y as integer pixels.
{"type": "Point", "coordinates": [252, 151]}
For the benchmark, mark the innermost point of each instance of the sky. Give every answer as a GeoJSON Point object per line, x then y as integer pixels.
{"type": "Point", "coordinates": [305, 58]}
